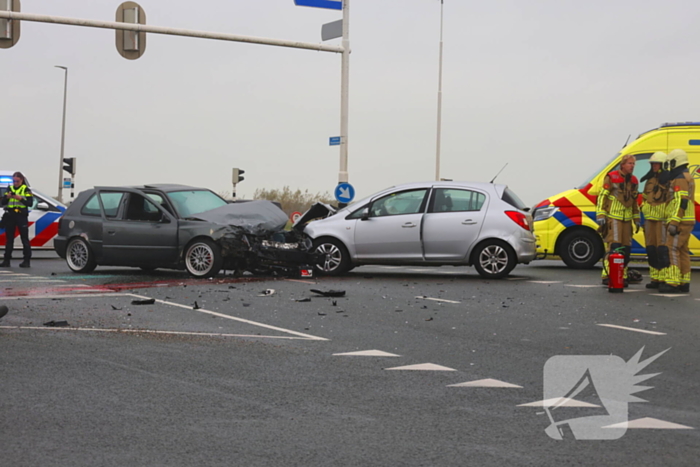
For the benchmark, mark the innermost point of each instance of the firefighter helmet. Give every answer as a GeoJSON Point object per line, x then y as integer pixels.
{"type": "Point", "coordinates": [676, 158]}
{"type": "Point", "coordinates": [658, 157]}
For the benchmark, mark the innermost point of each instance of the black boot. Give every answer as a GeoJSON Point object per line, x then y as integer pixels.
{"type": "Point", "coordinates": [666, 288]}
{"type": "Point", "coordinates": [5, 264]}
{"type": "Point", "coordinates": [24, 264]}
{"type": "Point", "coordinates": [685, 288]}
{"type": "Point", "coordinates": [652, 285]}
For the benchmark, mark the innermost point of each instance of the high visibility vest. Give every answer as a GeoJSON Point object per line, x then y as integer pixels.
{"type": "Point", "coordinates": [17, 205]}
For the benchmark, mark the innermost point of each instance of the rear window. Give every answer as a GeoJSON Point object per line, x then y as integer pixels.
{"type": "Point", "coordinates": [512, 199]}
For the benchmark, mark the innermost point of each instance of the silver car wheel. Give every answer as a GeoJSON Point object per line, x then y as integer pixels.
{"type": "Point", "coordinates": [332, 256]}
{"type": "Point", "coordinates": [200, 259]}
{"type": "Point", "coordinates": [79, 257]}
{"type": "Point", "coordinates": [493, 259]}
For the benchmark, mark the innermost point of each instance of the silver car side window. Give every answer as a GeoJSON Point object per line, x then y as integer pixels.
{"type": "Point", "coordinates": [452, 200]}
{"type": "Point", "coordinates": [405, 202]}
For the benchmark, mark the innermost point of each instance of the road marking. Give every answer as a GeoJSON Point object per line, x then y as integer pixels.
{"type": "Point", "coordinates": [559, 402]}
{"type": "Point", "coordinates": [28, 279]}
{"type": "Point", "coordinates": [650, 423]}
{"type": "Point", "coordinates": [189, 307]}
{"type": "Point", "coordinates": [423, 297]}
{"type": "Point", "coordinates": [485, 383]}
{"type": "Point", "coordinates": [303, 282]}
{"type": "Point", "coordinates": [146, 331]}
{"type": "Point", "coordinates": [516, 278]}
{"type": "Point", "coordinates": [546, 282]}
{"type": "Point", "coordinates": [655, 333]}
{"type": "Point", "coordinates": [422, 367]}
{"type": "Point", "coordinates": [233, 318]}
{"type": "Point", "coordinates": [367, 353]}
{"type": "Point", "coordinates": [581, 286]}
{"type": "Point", "coordinates": [671, 295]}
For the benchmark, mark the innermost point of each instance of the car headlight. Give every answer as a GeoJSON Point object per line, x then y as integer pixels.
{"type": "Point", "coordinates": [544, 213]}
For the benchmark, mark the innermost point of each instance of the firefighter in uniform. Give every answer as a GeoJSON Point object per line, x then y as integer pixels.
{"type": "Point", "coordinates": [617, 210]}
{"type": "Point", "coordinates": [654, 198]}
{"type": "Point", "coordinates": [17, 200]}
{"type": "Point", "coordinates": [680, 216]}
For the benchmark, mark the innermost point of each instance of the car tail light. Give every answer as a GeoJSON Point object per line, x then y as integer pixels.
{"type": "Point", "coordinates": [519, 218]}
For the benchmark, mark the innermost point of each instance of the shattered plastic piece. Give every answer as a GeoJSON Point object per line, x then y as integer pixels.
{"type": "Point", "coordinates": [3, 310]}
{"type": "Point", "coordinates": [115, 307]}
{"type": "Point", "coordinates": [329, 293]}
{"type": "Point", "coordinates": [56, 324]}
{"type": "Point", "coordinates": [148, 301]}
{"type": "Point", "coordinates": [196, 306]}
{"type": "Point", "coordinates": [429, 319]}
{"type": "Point", "coordinates": [334, 302]}
{"type": "Point", "coordinates": [320, 313]}
{"type": "Point", "coordinates": [300, 300]}
{"type": "Point", "coordinates": [246, 304]}
{"type": "Point", "coordinates": [267, 293]}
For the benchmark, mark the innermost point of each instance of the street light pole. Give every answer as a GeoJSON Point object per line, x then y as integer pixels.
{"type": "Point", "coordinates": [439, 105]}
{"type": "Point", "coordinates": [63, 134]}
{"type": "Point", "coordinates": [344, 94]}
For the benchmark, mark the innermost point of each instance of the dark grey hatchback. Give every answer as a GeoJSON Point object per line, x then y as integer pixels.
{"type": "Point", "coordinates": [179, 227]}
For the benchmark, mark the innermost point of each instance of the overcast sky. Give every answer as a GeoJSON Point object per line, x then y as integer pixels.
{"type": "Point", "coordinates": [553, 88]}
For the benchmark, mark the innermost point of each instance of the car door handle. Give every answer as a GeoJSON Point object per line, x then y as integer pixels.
{"type": "Point", "coordinates": [468, 222]}
{"type": "Point", "coordinates": [408, 225]}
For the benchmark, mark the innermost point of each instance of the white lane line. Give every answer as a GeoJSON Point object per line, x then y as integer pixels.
{"type": "Point", "coordinates": [650, 423]}
{"type": "Point", "coordinates": [30, 280]}
{"type": "Point", "coordinates": [546, 282]}
{"type": "Point", "coordinates": [303, 282]}
{"type": "Point", "coordinates": [582, 286]}
{"type": "Point", "coordinates": [422, 367]}
{"type": "Point", "coordinates": [633, 329]}
{"type": "Point", "coordinates": [145, 331]}
{"type": "Point", "coordinates": [516, 278]}
{"type": "Point", "coordinates": [366, 353]}
{"type": "Point", "coordinates": [485, 383]}
{"type": "Point", "coordinates": [559, 402]}
{"type": "Point", "coordinates": [423, 297]}
{"type": "Point", "coordinates": [221, 315]}
{"type": "Point", "coordinates": [77, 295]}
{"type": "Point", "coordinates": [671, 295]}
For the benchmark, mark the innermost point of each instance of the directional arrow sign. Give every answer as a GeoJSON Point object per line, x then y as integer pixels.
{"type": "Point", "coordinates": [344, 193]}
{"type": "Point", "coordinates": [329, 4]}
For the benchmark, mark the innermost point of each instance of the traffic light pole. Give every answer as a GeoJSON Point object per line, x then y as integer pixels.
{"type": "Point", "coordinates": [63, 135]}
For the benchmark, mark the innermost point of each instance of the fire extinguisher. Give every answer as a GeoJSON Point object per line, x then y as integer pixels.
{"type": "Point", "coordinates": [616, 274]}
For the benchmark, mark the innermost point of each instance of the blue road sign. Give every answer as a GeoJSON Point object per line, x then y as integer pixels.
{"type": "Point", "coordinates": [328, 4]}
{"type": "Point", "coordinates": [344, 193]}
{"type": "Point", "coordinates": [334, 140]}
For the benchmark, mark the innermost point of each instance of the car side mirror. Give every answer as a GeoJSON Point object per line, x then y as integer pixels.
{"type": "Point", "coordinates": [164, 219]}
{"type": "Point", "coordinates": [365, 214]}
{"type": "Point", "coordinates": [42, 206]}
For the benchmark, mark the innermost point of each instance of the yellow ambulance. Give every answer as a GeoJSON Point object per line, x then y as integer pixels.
{"type": "Point", "coordinates": [565, 224]}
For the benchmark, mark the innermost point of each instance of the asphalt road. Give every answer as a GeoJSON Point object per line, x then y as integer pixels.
{"type": "Point", "coordinates": [219, 372]}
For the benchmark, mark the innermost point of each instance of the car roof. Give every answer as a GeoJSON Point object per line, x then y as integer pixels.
{"type": "Point", "coordinates": [165, 187]}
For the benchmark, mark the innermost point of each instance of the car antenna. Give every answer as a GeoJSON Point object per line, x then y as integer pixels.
{"type": "Point", "coordinates": [499, 172]}
{"type": "Point", "coordinates": [628, 140]}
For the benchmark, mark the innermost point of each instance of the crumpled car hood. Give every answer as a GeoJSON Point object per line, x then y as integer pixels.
{"type": "Point", "coordinates": [258, 217]}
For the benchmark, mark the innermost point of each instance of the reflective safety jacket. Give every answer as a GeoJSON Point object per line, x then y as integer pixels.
{"type": "Point", "coordinates": [618, 198]}
{"type": "Point", "coordinates": [21, 206]}
{"type": "Point", "coordinates": [681, 207]}
{"type": "Point", "coordinates": [655, 197]}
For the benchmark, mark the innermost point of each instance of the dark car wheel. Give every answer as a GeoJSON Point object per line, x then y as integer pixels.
{"type": "Point", "coordinates": [79, 256]}
{"type": "Point", "coordinates": [203, 258]}
{"type": "Point", "coordinates": [581, 249]}
{"type": "Point", "coordinates": [494, 259]}
{"type": "Point", "coordinates": [335, 259]}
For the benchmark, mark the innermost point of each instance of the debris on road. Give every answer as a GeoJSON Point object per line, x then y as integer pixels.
{"type": "Point", "coordinates": [329, 293]}
{"type": "Point", "coordinates": [196, 306]}
{"type": "Point", "coordinates": [56, 324]}
{"type": "Point", "coordinates": [147, 301]}
{"type": "Point", "coordinates": [267, 293]}
{"type": "Point", "coordinates": [3, 310]}
{"type": "Point", "coordinates": [115, 307]}
{"type": "Point", "coordinates": [302, 300]}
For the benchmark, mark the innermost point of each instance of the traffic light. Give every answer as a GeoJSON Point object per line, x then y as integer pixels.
{"type": "Point", "coordinates": [9, 28]}
{"type": "Point", "coordinates": [237, 175]}
{"type": "Point", "coordinates": [69, 164]}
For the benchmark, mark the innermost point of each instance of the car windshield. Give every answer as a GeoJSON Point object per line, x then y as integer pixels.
{"type": "Point", "coordinates": [192, 202]}
{"type": "Point", "coordinates": [593, 175]}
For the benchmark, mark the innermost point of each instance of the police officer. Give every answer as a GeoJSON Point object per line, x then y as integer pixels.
{"type": "Point", "coordinates": [654, 198]}
{"type": "Point", "coordinates": [17, 200]}
{"type": "Point", "coordinates": [617, 210]}
{"type": "Point", "coordinates": [680, 215]}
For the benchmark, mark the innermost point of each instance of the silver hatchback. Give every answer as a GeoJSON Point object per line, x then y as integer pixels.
{"type": "Point", "coordinates": [428, 224]}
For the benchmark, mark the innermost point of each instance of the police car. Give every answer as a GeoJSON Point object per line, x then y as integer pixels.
{"type": "Point", "coordinates": [43, 217]}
